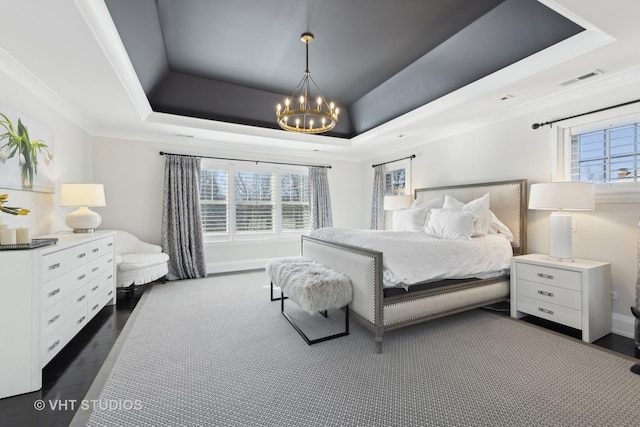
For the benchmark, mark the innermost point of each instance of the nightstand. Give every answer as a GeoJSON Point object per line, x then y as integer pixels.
{"type": "Point", "coordinates": [573, 293]}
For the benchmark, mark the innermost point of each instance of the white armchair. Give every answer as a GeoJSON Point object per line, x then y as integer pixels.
{"type": "Point", "coordinates": [138, 262]}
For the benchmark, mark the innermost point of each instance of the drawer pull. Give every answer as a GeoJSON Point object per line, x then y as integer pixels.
{"type": "Point", "coordinates": [110, 260]}
{"type": "Point", "coordinates": [54, 345]}
{"type": "Point", "coordinates": [81, 298]}
{"type": "Point", "coordinates": [110, 293]}
{"type": "Point", "coordinates": [545, 276]}
{"type": "Point", "coordinates": [94, 288]}
{"type": "Point", "coordinates": [53, 293]}
{"type": "Point", "coordinates": [53, 319]}
{"type": "Point", "coordinates": [95, 307]}
{"type": "Point", "coordinates": [82, 276]}
{"type": "Point", "coordinates": [82, 255]}
{"type": "Point", "coordinates": [544, 310]}
{"type": "Point", "coordinates": [545, 293]}
{"type": "Point", "coordinates": [54, 266]}
{"type": "Point", "coordinates": [94, 269]}
{"type": "Point", "coordinates": [80, 320]}
{"type": "Point", "coordinates": [110, 244]}
{"type": "Point", "coordinates": [110, 276]}
{"type": "Point", "coordinates": [95, 250]}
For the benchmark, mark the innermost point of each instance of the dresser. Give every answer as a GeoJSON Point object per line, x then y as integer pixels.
{"type": "Point", "coordinates": [573, 293]}
{"type": "Point", "coordinates": [48, 295]}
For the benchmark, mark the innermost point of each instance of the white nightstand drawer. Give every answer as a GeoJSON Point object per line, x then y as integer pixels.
{"type": "Point", "coordinates": [550, 276]}
{"type": "Point", "coordinates": [560, 296]}
{"type": "Point", "coordinates": [549, 311]}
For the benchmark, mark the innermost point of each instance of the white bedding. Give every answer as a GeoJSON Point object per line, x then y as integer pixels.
{"type": "Point", "coordinates": [411, 257]}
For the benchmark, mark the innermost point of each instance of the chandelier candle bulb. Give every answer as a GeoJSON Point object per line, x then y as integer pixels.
{"type": "Point", "coordinates": [23, 236]}
{"type": "Point", "coordinates": [8, 237]}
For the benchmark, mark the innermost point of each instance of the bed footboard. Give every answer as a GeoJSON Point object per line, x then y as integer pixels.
{"type": "Point", "coordinates": [364, 268]}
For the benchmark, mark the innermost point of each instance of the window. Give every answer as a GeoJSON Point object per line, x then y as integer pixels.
{"type": "Point", "coordinates": [242, 202]}
{"type": "Point", "coordinates": [396, 179]}
{"type": "Point", "coordinates": [607, 155]}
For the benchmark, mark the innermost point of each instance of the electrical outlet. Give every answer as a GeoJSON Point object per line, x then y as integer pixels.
{"type": "Point", "coordinates": [574, 225]}
{"type": "Point", "coordinates": [614, 296]}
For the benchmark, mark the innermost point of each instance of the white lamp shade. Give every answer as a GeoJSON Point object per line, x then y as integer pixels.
{"type": "Point", "coordinates": [82, 195]}
{"type": "Point", "coordinates": [395, 203]}
{"type": "Point", "coordinates": [562, 196]}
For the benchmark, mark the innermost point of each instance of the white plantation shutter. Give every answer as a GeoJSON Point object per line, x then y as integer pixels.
{"type": "Point", "coordinates": [608, 155]}
{"type": "Point", "coordinates": [214, 200]}
{"type": "Point", "coordinates": [294, 198]}
{"type": "Point", "coordinates": [255, 197]}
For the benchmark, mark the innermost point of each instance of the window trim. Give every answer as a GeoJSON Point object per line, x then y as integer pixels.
{"type": "Point", "coordinates": [278, 233]}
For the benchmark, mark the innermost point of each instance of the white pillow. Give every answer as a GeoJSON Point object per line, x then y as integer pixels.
{"type": "Point", "coordinates": [449, 224]}
{"type": "Point", "coordinates": [498, 227]}
{"type": "Point", "coordinates": [478, 207]}
{"type": "Point", "coordinates": [409, 219]}
{"type": "Point", "coordinates": [428, 204]}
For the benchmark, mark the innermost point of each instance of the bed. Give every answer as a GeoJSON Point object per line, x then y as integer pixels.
{"type": "Point", "coordinates": [383, 308]}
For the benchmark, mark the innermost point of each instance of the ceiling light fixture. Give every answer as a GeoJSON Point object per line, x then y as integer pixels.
{"type": "Point", "coordinates": [307, 117]}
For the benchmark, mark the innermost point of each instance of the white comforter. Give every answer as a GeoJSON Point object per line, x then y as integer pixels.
{"type": "Point", "coordinates": [411, 257]}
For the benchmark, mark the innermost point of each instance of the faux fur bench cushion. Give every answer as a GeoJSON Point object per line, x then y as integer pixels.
{"type": "Point", "coordinates": [309, 284]}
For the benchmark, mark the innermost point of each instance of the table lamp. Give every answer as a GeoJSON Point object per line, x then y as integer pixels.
{"type": "Point", "coordinates": [83, 196]}
{"type": "Point", "coordinates": [560, 197]}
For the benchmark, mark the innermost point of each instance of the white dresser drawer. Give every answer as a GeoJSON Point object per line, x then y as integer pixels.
{"type": "Point", "coordinates": [52, 344]}
{"type": "Point", "coordinates": [101, 247]}
{"type": "Point", "coordinates": [550, 276]}
{"type": "Point", "coordinates": [560, 296]}
{"type": "Point", "coordinates": [76, 321]}
{"type": "Point", "coordinates": [78, 300]}
{"type": "Point", "coordinates": [58, 263]}
{"type": "Point", "coordinates": [549, 311]}
{"type": "Point", "coordinates": [100, 265]}
{"type": "Point", "coordinates": [53, 317]}
{"type": "Point", "coordinates": [59, 288]}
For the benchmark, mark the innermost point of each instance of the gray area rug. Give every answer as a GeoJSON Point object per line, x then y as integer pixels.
{"type": "Point", "coordinates": [217, 352]}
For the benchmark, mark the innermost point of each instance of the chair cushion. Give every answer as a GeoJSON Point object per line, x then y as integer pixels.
{"type": "Point", "coordinates": [140, 261]}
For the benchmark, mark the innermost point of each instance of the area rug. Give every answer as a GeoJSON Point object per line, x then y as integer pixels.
{"type": "Point", "coordinates": [217, 352]}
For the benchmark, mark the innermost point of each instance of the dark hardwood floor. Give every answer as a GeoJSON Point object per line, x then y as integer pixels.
{"type": "Point", "coordinates": [67, 378]}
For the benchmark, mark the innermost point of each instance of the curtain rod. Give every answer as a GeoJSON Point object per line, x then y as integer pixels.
{"type": "Point", "coordinates": [162, 153]}
{"type": "Point", "coordinates": [537, 125]}
{"type": "Point", "coordinates": [413, 156]}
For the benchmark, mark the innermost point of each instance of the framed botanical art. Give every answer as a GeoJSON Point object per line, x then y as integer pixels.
{"type": "Point", "coordinates": [26, 152]}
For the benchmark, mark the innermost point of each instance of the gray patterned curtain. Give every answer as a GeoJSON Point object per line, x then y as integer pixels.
{"type": "Point", "coordinates": [377, 202]}
{"type": "Point", "coordinates": [181, 222]}
{"type": "Point", "coordinates": [320, 198]}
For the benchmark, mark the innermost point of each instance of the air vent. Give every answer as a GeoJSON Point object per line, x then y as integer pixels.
{"type": "Point", "coordinates": [581, 78]}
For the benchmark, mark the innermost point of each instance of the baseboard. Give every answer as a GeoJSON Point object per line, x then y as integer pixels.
{"type": "Point", "coordinates": [622, 325]}
{"type": "Point", "coordinates": [232, 266]}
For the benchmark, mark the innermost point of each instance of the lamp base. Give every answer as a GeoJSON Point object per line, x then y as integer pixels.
{"type": "Point", "coordinates": [560, 244]}
{"type": "Point", "coordinates": [83, 220]}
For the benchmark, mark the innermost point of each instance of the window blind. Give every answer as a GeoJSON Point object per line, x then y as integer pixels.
{"type": "Point", "coordinates": [214, 191]}
{"type": "Point", "coordinates": [255, 202]}
{"type": "Point", "coordinates": [294, 198]}
{"type": "Point", "coordinates": [607, 155]}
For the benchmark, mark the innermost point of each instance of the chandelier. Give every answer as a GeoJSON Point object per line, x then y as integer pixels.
{"type": "Point", "coordinates": [300, 113]}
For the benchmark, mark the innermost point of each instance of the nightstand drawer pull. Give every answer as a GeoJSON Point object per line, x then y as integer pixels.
{"type": "Point", "coordinates": [545, 293]}
{"type": "Point", "coordinates": [95, 250]}
{"type": "Point", "coordinates": [82, 276]}
{"type": "Point", "coordinates": [545, 276]}
{"type": "Point", "coordinates": [53, 293]}
{"type": "Point", "coordinates": [544, 310]}
{"type": "Point", "coordinates": [82, 255]}
{"type": "Point", "coordinates": [53, 319]}
{"type": "Point", "coordinates": [95, 307]}
{"type": "Point", "coordinates": [81, 298]}
{"type": "Point", "coordinates": [95, 288]}
{"type": "Point", "coordinates": [54, 266]}
{"type": "Point", "coordinates": [81, 320]}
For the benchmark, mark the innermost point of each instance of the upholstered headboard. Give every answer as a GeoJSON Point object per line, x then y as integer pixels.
{"type": "Point", "coordinates": [508, 200]}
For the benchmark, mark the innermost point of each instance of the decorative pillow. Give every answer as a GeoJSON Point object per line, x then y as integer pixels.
{"type": "Point", "coordinates": [409, 219]}
{"type": "Point", "coordinates": [449, 224]}
{"type": "Point", "coordinates": [428, 204]}
{"type": "Point", "coordinates": [478, 207]}
{"type": "Point", "coordinates": [498, 227]}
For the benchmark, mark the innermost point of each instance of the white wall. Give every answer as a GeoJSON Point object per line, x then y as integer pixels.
{"type": "Point", "coordinates": [133, 174]}
{"type": "Point", "coordinates": [512, 150]}
{"type": "Point", "coordinates": [72, 161]}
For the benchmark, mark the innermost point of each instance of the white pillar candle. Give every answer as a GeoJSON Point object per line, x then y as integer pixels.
{"type": "Point", "coordinates": [8, 237]}
{"type": "Point", "coordinates": [23, 236]}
